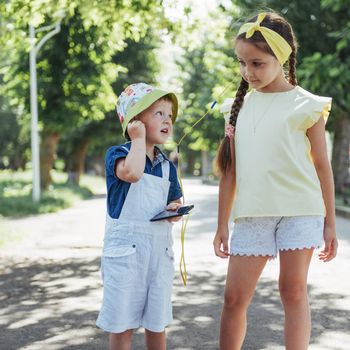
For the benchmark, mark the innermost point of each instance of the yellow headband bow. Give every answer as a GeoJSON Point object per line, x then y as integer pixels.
{"type": "Point", "coordinates": [277, 43]}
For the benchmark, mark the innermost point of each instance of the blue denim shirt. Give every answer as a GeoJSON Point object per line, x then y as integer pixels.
{"type": "Point", "coordinates": [117, 189]}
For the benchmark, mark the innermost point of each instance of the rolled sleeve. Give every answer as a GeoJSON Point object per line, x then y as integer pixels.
{"type": "Point", "coordinates": [112, 155]}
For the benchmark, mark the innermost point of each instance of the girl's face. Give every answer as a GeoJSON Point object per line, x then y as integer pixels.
{"type": "Point", "coordinates": [158, 122]}
{"type": "Point", "coordinates": [260, 69]}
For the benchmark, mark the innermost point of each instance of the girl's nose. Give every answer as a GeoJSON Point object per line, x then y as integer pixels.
{"type": "Point", "coordinates": [247, 71]}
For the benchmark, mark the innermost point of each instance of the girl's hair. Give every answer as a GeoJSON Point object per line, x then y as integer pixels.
{"type": "Point", "coordinates": [282, 27]}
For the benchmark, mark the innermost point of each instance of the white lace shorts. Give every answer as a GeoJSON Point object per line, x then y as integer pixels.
{"type": "Point", "coordinates": [266, 236]}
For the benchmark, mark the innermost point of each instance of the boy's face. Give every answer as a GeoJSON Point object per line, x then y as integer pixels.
{"type": "Point", "coordinates": [157, 120]}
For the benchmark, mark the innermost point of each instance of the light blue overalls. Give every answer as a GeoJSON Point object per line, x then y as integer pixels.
{"type": "Point", "coordinates": [137, 260]}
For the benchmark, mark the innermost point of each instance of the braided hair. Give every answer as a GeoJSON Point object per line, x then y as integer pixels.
{"type": "Point", "coordinates": [225, 157]}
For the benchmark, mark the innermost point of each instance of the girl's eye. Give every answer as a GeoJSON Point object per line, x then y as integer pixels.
{"type": "Point", "coordinates": [159, 113]}
{"type": "Point", "coordinates": [241, 63]}
{"type": "Point", "coordinates": [257, 64]}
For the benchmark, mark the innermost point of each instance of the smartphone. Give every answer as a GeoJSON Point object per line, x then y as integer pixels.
{"type": "Point", "coordinates": [166, 214]}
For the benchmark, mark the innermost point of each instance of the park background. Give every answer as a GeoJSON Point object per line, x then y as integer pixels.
{"type": "Point", "coordinates": [50, 287]}
{"type": "Point", "coordinates": [184, 46]}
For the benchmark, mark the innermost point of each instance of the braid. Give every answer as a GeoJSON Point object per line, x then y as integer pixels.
{"type": "Point", "coordinates": [225, 158]}
{"type": "Point", "coordinates": [292, 62]}
{"type": "Point", "coordinates": [237, 104]}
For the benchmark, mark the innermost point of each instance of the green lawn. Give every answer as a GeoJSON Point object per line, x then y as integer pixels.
{"type": "Point", "coordinates": [16, 197]}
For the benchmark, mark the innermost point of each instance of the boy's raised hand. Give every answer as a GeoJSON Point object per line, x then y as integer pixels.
{"type": "Point", "coordinates": [136, 130]}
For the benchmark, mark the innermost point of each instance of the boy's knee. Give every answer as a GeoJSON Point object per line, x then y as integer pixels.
{"type": "Point", "coordinates": [120, 340]}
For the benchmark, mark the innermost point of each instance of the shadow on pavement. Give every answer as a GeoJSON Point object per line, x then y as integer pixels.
{"type": "Point", "coordinates": [53, 305]}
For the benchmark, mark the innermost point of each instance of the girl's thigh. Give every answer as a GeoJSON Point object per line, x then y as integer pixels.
{"type": "Point", "coordinates": [294, 266]}
{"type": "Point", "coordinates": [243, 274]}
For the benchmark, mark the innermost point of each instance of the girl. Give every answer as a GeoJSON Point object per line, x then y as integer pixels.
{"type": "Point", "coordinates": [274, 167]}
{"type": "Point", "coordinates": [137, 259]}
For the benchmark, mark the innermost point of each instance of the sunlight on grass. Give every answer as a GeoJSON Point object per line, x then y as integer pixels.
{"type": "Point", "coordinates": [16, 198]}
{"type": "Point", "coordinates": [96, 184]}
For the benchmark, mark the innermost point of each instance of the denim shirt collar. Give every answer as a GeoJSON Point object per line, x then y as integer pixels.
{"type": "Point", "coordinates": [158, 157]}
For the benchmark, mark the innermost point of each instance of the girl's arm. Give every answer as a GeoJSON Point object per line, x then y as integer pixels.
{"type": "Point", "coordinates": [131, 168]}
{"type": "Point", "coordinates": [227, 189]}
{"type": "Point", "coordinates": [317, 137]}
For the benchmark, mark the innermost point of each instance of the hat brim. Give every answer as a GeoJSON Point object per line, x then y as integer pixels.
{"type": "Point", "coordinates": [145, 102]}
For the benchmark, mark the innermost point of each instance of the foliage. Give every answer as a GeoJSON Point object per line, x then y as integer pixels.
{"type": "Point", "coordinates": [75, 67]}
{"type": "Point", "coordinates": [15, 194]}
{"type": "Point", "coordinates": [14, 137]}
{"type": "Point", "coordinates": [210, 73]}
{"type": "Point", "coordinates": [106, 132]}
{"type": "Point", "coordinates": [323, 32]}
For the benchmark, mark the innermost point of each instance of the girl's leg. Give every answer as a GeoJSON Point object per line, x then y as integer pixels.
{"type": "Point", "coordinates": [242, 276]}
{"type": "Point", "coordinates": [293, 289]}
{"type": "Point", "coordinates": [155, 340]}
{"type": "Point", "coordinates": [120, 341]}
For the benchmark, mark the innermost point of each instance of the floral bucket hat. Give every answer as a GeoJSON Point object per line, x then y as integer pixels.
{"type": "Point", "coordinates": [138, 97]}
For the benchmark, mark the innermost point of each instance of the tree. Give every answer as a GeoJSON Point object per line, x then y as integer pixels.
{"type": "Point", "coordinates": [100, 134]}
{"type": "Point", "coordinates": [209, 72]}
{"type": "Point", "coordinates": [75, 68]}
{"type": "Point", "coordinates": [14, 139]}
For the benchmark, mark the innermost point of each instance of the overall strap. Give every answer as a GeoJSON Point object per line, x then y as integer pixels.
{"type": "Point", "coordinates": [166, 169]}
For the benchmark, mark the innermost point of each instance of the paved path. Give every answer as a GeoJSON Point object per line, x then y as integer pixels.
{"type": "Point", "coordinates": [50, 287]}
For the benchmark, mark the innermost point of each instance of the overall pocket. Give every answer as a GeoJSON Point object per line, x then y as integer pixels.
{"type": "Point", "coordinates": [168, 269]}
{"type": "Point", "coordinates": [119, 265]}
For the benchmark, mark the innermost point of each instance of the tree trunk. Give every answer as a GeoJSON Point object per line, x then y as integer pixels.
{"type": "Point", "coordinates": [48, 149]}
{"type": "Point", "coordinates": [191, 160]}
{"type": "Point", "coordinates": [340, 155]}
{"type": "Point", "coordinates": [205, 170]}
{"type": "Point", "coordinates": [76, 163]}
{"type": "Point", "coordinates": [97, 165]}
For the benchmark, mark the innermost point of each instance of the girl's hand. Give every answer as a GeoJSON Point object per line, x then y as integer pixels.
{"type": "Point", "coordinates": [174, 206]}
{"type": "Point", "coordinates": [329, 251]}
{"type": "Point", "coordinates": [221, 243]}
{"type": "Point", "coordinates": [136, 130]}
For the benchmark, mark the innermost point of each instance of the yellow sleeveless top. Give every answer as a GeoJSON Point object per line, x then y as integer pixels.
{"type": "Point", "coordinates": [274, 171]}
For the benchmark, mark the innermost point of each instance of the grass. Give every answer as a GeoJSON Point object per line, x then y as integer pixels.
{"type": "Point", "coordinates": [16, 197]}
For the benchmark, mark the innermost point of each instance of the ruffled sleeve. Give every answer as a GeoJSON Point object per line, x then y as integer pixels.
{"type": "Point", "coordinates": [320, 106]}
{"type": "Point", "coordinates": [226, 108]}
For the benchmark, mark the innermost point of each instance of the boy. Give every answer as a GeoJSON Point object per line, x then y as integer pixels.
{"type": "Point", "coordinates": [137, 260]}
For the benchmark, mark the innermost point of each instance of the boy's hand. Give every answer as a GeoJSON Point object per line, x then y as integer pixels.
{"type": "Point", "coordinates": [136, 130]}
{"type": "Point", "coordinates": [174, 206]}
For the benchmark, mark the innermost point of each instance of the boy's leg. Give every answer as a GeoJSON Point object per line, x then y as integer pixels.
{"type": "Point", "coordinates": [242, 276]}
{"type": "Point", "coordinates": [293, 289]}
{"type": "Point", "coordinates": [120, 341]}
{"type": "Point", "coordinates": [155, 340]}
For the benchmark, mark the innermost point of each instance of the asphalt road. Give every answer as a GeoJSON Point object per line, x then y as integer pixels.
{"type": "Point", "coordinates": [50, 289]}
